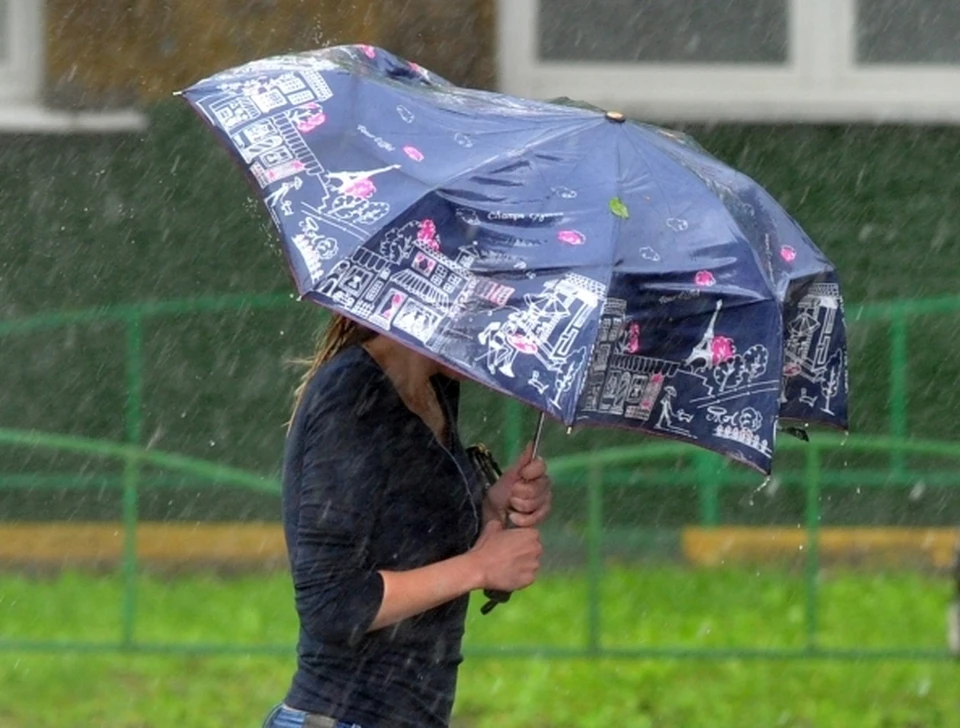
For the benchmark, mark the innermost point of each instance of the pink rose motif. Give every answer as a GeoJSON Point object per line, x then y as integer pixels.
{"type": "Point", "coordinates": [311, 122]}
{"type": "Point", "coordinates": [722, 349]}
{"type": "Point", "coordinates": [656, 378]}
{"type": "Point", "coordinates": [791, 370]}
{"type": "Point", "coordinates": [368, 51]}
{"type": "Point", "coordinates": [415, 154]}
{"type": "Point", "coordinates": [788, 254]}
{"type": "Point", "coordinates": [704, 278]}
{"type": "Point", "coordinates": [571, 237]}
{"type": "Point", "coordinates": [362, 188]}
{"type": "Point", "coordinates": [633, 338]}
{"type": "Point", "coordinates": [427, 234]}
{"type": "Point", "coordinates": [523, 344]}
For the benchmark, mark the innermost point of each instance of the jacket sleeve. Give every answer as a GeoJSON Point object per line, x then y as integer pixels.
{"type": "Point", "coordinates": [338, 592]}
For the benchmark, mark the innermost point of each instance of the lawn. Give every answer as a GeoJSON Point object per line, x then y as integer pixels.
{"type": "Point", "coordinates": [642, 607]}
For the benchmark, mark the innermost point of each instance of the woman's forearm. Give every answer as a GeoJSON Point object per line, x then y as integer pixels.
{"type": "Point", "coordinates": [408, 593]}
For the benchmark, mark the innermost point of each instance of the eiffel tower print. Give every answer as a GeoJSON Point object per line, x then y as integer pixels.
{"type": "Point", "coordinates": [703, 352]}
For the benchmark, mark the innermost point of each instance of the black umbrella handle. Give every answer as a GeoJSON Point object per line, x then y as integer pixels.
{"type": "Point", "coordinates": [496, 596]}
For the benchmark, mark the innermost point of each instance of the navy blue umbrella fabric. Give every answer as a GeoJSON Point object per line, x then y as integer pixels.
{"type": "Point", "coordinates": [603, 271]}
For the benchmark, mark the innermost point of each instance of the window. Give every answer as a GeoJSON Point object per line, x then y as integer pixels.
{"type": "Point", "coordinates": [663, 31]}
{"type": "Point", "coordinates": [906, 33]}
{"type": "Point", "coordinates": [818, 60]}
{"type": "Point", "coordinates": [21, 77]}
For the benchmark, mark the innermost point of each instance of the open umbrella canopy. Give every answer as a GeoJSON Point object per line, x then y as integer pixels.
{"type": "Point", "coordinates": [603, 271]}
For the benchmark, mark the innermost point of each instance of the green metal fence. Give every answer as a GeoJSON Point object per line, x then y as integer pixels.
{"type": "Point", "coordinates": [597, 470]}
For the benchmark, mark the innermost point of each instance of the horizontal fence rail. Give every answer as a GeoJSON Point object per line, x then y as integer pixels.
{"type": "Point", "coordinates": [582, 467]}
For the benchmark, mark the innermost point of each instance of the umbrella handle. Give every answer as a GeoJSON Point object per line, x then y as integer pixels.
{"type": "Point", "coordinates": [495, 596]}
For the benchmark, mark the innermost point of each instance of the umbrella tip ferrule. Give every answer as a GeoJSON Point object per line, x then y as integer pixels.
{"type": "Point", "coordinates": [616, 116]}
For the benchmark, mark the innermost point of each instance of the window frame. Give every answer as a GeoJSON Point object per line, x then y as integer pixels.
{"type": "Point", "coordinates": [21, 72]}
{"type": "Point", "coordinates": [821, 80]}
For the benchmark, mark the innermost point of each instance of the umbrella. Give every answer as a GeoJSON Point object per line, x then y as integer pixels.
{"type": "Point", "coordinates": [603, 271]}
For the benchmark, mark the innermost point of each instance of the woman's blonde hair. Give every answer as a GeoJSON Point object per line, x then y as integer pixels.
{"type": "Point", "coordinates": [339, 333]}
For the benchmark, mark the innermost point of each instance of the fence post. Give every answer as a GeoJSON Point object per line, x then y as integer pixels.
{"type": "Point", "coordinates": [708, 488]}
{"type": "Point", "coordinates": [812, 483]}
{"type": "Point", "coordinates": [514, 438]}
{"type": "Point", "coordinates": [131, 474]}
{"type": "Point", "coordinates": [594, 555]}
{"type": "Point", "coordinates": [898, 385]}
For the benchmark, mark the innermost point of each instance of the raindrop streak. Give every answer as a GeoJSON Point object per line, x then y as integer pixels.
{"type": "Point", "coordinates": [764, 484]}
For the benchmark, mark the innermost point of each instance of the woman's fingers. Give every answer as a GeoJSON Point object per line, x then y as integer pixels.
{"type": "Point", "coordinates": [533, 518]}
{"type": "Point", "coordinates": [533, 470]}
{"type": "Point", "coordinates": [530, 490]}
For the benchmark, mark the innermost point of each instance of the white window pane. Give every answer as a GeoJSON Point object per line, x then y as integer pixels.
{"type": "Point", "coordinates": [908, 31]}
{"type": "Point", "coordinates": [665, 31]}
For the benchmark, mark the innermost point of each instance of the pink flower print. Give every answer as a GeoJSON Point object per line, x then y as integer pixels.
{"type": "Point", "coordinates": [633, 338]}
{"type": "Point", "coordinates": [311, 122]}
{"type": "Point", "coordinates": [523, 344]}
{"type": "Point", "coordinates": [791, 370]}
{"type": "Point", "coordinates": [788, 254]}
{"type": "Point", "coordinates": [571, 237]}
{"type": "Point", "coordinates": [427, 234]}
{"type": "Point", "coordinates": [721, 348]}
{"type": "Point", "coordinates": [415, 154]}
{"type": "Point", "coordinates": [704, 278]}
{"type": "Point", "coordinates": [657, 378]}
{"type": "Point", "coordinates": [363, 188]}
{"type": "Point", "coordinates": [368, 50]}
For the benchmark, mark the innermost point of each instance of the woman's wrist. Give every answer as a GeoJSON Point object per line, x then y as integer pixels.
{"type": "Point", "coordinates": [473, 570]}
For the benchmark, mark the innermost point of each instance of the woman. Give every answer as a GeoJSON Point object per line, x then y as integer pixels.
{"type": "Point", "coordinates": [388, 532]}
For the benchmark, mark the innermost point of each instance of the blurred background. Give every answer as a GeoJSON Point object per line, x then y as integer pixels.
{"type": "Point", "coordinates": [147, 328]}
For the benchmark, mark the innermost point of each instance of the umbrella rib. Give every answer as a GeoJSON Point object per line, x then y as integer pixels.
{"type": "Point", "coordinates": [646, 161]}
{"type": "Point", "coordinates": [756, 258]}
{"type": "Point", "coordinates": [543, 139]}
{"type": "Point", "coordinates": [575, 401]}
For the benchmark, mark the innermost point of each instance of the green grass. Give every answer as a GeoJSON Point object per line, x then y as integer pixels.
{"type": "Point", "coordinates": [647, 607]}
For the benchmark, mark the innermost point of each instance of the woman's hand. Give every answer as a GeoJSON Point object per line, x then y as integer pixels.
{"type": "Point", "coordinates": [507, 559]}
{"type": "Point", "coordinates": [523, 492]}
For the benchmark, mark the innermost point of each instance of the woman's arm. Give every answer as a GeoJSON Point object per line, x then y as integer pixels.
{"type": "Point", "coordinates": [339, 596]}
{"type": "Point", "coordinates": [503, 560]}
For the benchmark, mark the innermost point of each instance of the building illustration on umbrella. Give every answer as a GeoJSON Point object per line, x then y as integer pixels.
{"type": "Point", "coordinates": [624, 383]}
{"type": "Point", "coordinates": [814, 359]}
{"type": "Point", "coordinates": [808, 344]}
{"type": "Point", "coordinates": [408, 284]}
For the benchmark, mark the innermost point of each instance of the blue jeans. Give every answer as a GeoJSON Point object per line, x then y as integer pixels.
{"type": "Point", "coordinates": [285, 717]}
